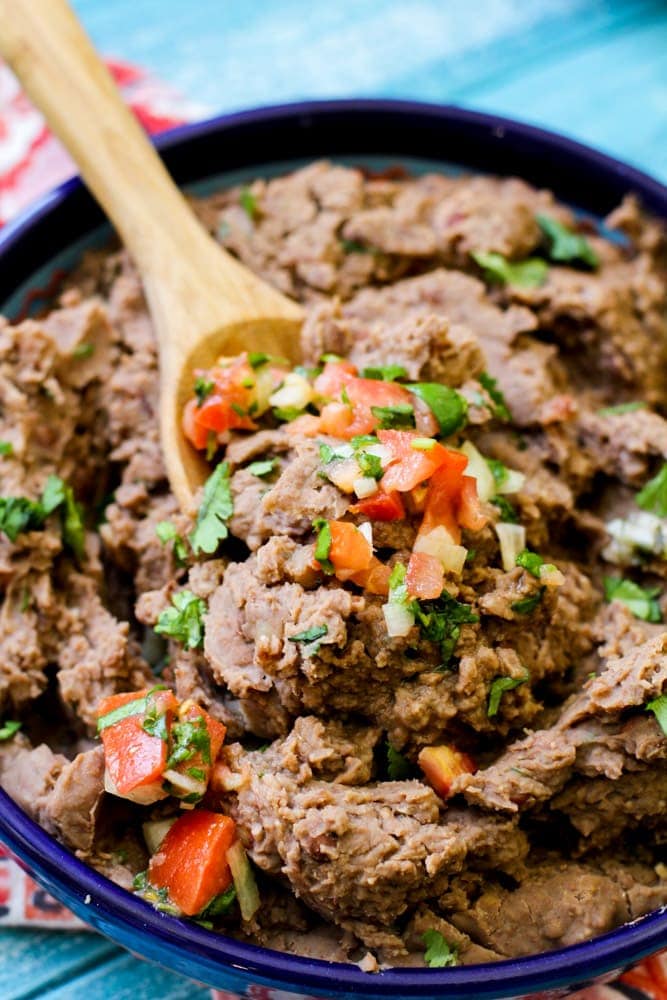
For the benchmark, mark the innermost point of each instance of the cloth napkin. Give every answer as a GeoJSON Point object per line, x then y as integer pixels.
{"type": "Point", "coordinates": [32, 162]}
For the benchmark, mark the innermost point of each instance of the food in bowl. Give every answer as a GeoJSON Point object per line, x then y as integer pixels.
{"type": "Point", "coordinates": [411, 708]}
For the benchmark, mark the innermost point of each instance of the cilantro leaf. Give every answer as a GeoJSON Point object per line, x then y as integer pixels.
{"type": "Point", "coordinates": [83, 351]}
{"type": "Point", "coordinates": [216, 509]}
{"type": "Point", "coordinates": [500, 410]}
{"type": "Point", "coordinates": [448, 406]}
{"type": "Point", "coordinates": [440, 621]}
{"type": "Point", "coordinates": [528, 604]}
{"type": "Point", "coordinates": [653, 497]}
{"type": "Point", "coordinates": [639, 600]}
{"type": "Point", "coordinates": [398, 767]}
{"type": "Point", "coordinates": [257, 358]}
{"type": "Point", "coordinates": [18, 514]}
{"type": "Point", "coordinates": [166, 532]}
{"type": "Point", "coordinates": [507, 510]}
{"type": "Point", "coordinates": [6, 448]}
{"type": "Point", "coordinates": [566, 245]}
{"type": "Point", "coordinates": [323, 544]}
{"type": "Point", "coordinates": [53, 495]}
{"type": "Point", "coordinates": [439, 953]}
{"type": "Point", "coordinates": [309, 637]}
{"type": "Point", "coordinates": [385, 373]}
{"type": "Point", "coordinates": [8, 729]}
{"type": "Point", "coordinates": [263, 467]}
{"type": "Point", "coordinates": [499, 471]}
{"type": "Point", "coordinates": [287, 413]}
{"type": "Point", "coordinates": [658, 706]}
{"type": "Point", "coordinates": [219, 905]}
{"type": "Point", "coordinates": [184, 621]}
{"type": "Point", "coordinates": [497, 690]}
{"type": "Point", "coordinates": [203, 388]}
{"type": "Point", "coordinates": [399, 415]}
{"type": "Point", "coordinates": [529, 273]}
{"type": "Point", "coordinates": [620, 408]}
{"type": "Point", "coordinates": [71, 514]}
{"type": "Point", "coordinates": [370, 465]}
{"type": "Point", "coordinates": [530, 561]}
{"type": "Point", "coordinates": [189, 737]}
{"type": "Point", "coordinates": [248, 203]}
{"type": "Point", "coordinates": [354, 246]}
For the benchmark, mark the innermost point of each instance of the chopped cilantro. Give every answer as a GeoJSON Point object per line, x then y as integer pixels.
{"type": "Point", "coordinates": [639, 600]}
{"type": "Point", "coordinates": [6, 448]}
{"type": "Point", "coordinates": [189, 737]}
{"type": "Point", "coordinates": [264, 467]}
{"type": "Point", "coordinates": [499, 471]}
{"type": "Point", "coordinates": [448, 406]}
{"type": "Point", "coordinates": [565, 245]}
{"type": "Point", "coordinates": [398, 767]}
{"type": "Point", "coordinates": [155, 722]}
{"type": "Point", "coordinates": [385, 373]}
{"type": "Point", "coordinates": [529, 273]}
{"type": "Point", "coordinates": [184, 621]}
{"type": "Point", "coordinates": [166, 532]}
{"type": "Point", "coordinates": [257, 358]}
{"type": "Point", "coordinates": [527, 605]}
{"type": "Point", "coordinates": [369, 464]}
{"type": "Point", "coordinates": [8, 729]}
{"type": "Point", "coordinates": [500, 409]}
{"type": "Point", "coordinates": [18, 514]}
{"type": "Point", "coordinates": [327, 454]}
{"type": "Point", "coordinates": [137, 706]}
{"type": "Point", "coordinates": [497, 690]}
{"type": "Point", "coordinates": [323, 544]}
{"type": "Point", "coordinates": [330, 356]}
{"type": "Point", "coordinates": [203, 388]}
{"type": "Point", "coordinates": [310, 637]}
{"type": "Point", "coordinates": [440, 621]}
{"type": "Point", "coordinates": [219, 905]}
{"type": "Point", "coordinates": [287, 413]}
{"type": "Point", "coordinates": [621, 408]}
{"type": "Point", "coordinates": [211, 445]}
{"type": "Point", "coordinates": [658, 706]}
{"type": "Point", "coordinates": [354, 246]}
{"type": "Point", "coordinates": [361, 440]}
{"type": "Point", "coordinates": [507, 510]}
{"type": "Point", "coordinates": [439, 953]}
{"type": "Point", "coordinates": [248, 203]}
{"type": "Point", "coordinates": [82, 351]}
{"type": "Point", "coordinates": [216, 509]}
{"type": "Point", "coordinates": [653, 497]}
{"type": "Point", "coordinates": [399, 415]}
{"type": "Point", "coordinates": [532, 562]}
{"type": "Point", "coordinates": [345, 396]}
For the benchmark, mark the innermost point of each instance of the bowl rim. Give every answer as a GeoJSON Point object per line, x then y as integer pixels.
{"type": "Point", "coordinates": [96, 898]}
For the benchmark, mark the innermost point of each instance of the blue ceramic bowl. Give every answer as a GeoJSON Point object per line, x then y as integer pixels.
{"type": "Point", "coordinates": [48, 238]}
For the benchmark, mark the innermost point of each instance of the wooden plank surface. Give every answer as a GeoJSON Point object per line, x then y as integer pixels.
{"type": "Point", "coordinates": [593, 69]}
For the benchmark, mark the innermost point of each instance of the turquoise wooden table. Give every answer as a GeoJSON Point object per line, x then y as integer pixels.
{"type": "Point", "coordinates": [596, 69]}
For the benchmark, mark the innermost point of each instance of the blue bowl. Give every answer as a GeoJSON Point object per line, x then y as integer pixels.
{"type": "Point", "coordinates": [49, 237]}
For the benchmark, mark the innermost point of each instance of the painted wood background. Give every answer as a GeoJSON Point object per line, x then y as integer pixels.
{"type": "Point", "coordinates": [595, 69]}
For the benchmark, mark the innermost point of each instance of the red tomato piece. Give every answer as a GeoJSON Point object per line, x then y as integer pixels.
{"type": "Point", "coordinates": [375, 579]}
{"type": "Point", "coordinates": [425, 577]}
{"type": "Point", "coordinates": [336, 419]}
{"type": "Point", "coordinates": [470, 514]}
{"type": "Point", "coordinates": [350, 551]}
{"type": "Point", "coordinates": [411, 466]}
{"type": "Point", "coordinates": [226, 407]}
{"type": "Point", "coordinates": [442, 765]}
{"type": "Point", "coordinates": [362, 393]}
{"type": "Point", "coordinates": [197, 435]}
{"type": "Point", "coordinates": [135, 759]}
{"type": "Point", "coordinates": [191, 862]}
{"type": "Point", "coordinates": [308, 425]}
{"type": "Point", "coordinates": [380, 507]}
{"type": "Point", "coordinates": [334, 377]}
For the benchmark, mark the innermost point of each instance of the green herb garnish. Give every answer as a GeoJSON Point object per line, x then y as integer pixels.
{"type": "Point", "coordinates": [439, 953]}
{"type": "Point", "coordinates": [287, 413]}
{"type": "Point", "coordinates": [448, 406]}
{"type": "Point", "coordinates": [310, 637]}
{"type": "Point", "coordinates": [166, 532]}
{"type": "Point", "coordinates": [498, 688]}
{"type": "Point", "coordinates": [653, 497]}
{"type": "Point", "coordinates": [621, 408]}
{"type": "Point", "coordinates": [398, 415]}
{"type": "Point", "coordinates": [529, 273]}
{"type": "Point", "coordinates": [135, 707]}
{"type": "Point", "coordinates": [533, 563]}
{"type": "Point", "coordinates": [507, 510]}
{"type": "Point", "coordinates": [6, 448]}
{"type": "Point", "coordinates": [398, 767]}
{"type": "Point", "coordinates": [659, 708]}
{"type": "Point", "coordinates": [82, 351]}
{"type": "Point", "coordinates": [564, 245]}
{"type": "Point", "coordinates": [440, 621]}
{"type": "Point", "coordinates": [8, 729]}
{"type": "Point", "coordinates": [354, 246]}
{"type": "Point", "coordinates": [219, 905]}
{"type": "Point", "coordinates": [203, 389]}
{"type": "Point", "coordinates": [184, 621]}
{"type": "Point", "coordinates": [257, 358]}
{"type": "Point", "coordinates": [499, 471]}
{"type": "Point", "coordinates": [500, 409]}
{"type": "Point", "coordinates": [263, 467]}
{"type": "Point", "coordinates": [527, 605]}
{"type": "Point", "coordinates": [639, 600]}
{"type": "Point", "coordinates": [385, 373]}
{"type": "Point", "coordinates": [323, 544]}
{"type": "Point", "coordinates": [370, 465]}
{"type": "Point", "coordinates": [189, 737]}
{"type": "Point", "coordinates": [155, 722]}
{"type": "Point", "coordinates": [248, 203]}
{"type": "Point", "coordinates": [216, 509]}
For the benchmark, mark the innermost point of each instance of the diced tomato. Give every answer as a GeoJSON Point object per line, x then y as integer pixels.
{"type": "Point", "coordinates": [226, 407]}
{"type": "Point", "coordinates": [350, 551]}
{"type": "Point", "coordinates": [425, 577]}
{"type": "Point", "coordinates": [411, 466]}
{"type": "Point", "coordinates": [191, 862]}
{"type": "Point", "coordinates": [442, 764]}
{"type": "Point", "coordinates": [380, 507]}
{"type": "Point", "coordinates": [362, 393]}
{"type": "Point", "coordinates": [442, 499]}
{"type": "Point", "coordinates": [470, 514]}
{"type": "Point", "coordinates": [375, 579]}
{"type": "Point", "coordinates": [135, 759]}
{"type": "Point", "coordinates": [307, 425]}
{"type": "Point", "coordinates": [196, 434]}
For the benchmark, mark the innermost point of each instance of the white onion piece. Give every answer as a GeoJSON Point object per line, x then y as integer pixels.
{"type": "Point", "coordinates": [296, 391]}
{"type": "Point", "coordinates": [512, 538]}
{"type": "Point", "coordinates": [477, 468]}
{"type": "Point", "coordinates": [514, 481]}
{"type": "Point", "coordinates": [551, 576]}
{"type": "Point", "coordinates": [366, 530]}
{"type": "Point", "coordinates": [398, 618]}
{"type": "Point", "coordinates": [184, 784]}
{"type": "Point", "coordinates": [155, 830]}
{"type": "Point", "coordinates": [344, 474]}
{"type": "Point", "coordinates": [439, 543]}
{"type": "Point", "coordinates": [365, 486]}
{"type": "Point", "coordinates": [145, 795]}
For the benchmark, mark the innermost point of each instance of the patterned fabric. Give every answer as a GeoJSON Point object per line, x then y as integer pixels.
{"type": "Point", "coordinates": [32, 162]}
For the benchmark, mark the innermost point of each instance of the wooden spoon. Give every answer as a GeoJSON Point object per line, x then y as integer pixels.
{"type": "Point", "coordinates": [203, 303]}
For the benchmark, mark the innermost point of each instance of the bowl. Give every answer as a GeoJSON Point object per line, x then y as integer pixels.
{"type": "Point", "coordinates": [45, 241]}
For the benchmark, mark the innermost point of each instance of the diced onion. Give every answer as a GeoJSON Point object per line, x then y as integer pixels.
{"type": "Point", "coordinates": [344, 474]}
{"type": "Point", "coordinates": [296, 391]}
{"type": "Point", "coordinates": [143, 795]}
{"type": "Point", "coordinates": [244, 880]}
{"type": "Point", "coordinates": [512, 538]}
{"type": "Point", "coordinates": [641, 531]}
{"type": "Point", "coordinates": [365, 486]}
{"type": "Point", "coordinates": [551, 576]}
{"type": "Point", "coordinates": [479, 470]}
{"type": "Point", "coordinates": [155, 831]}
{"type": "Point", "coordinates": [439, 543]}
{"type": "Point", "coordinates": [366, 530]}
{"type": "Point", "coordinates": [264, 386]}
{"type": "Point", "coordinates": [514, 482]}
{"type": "Point", "coordinates": [398, 618]}
{"type": "Point", "coordinates": [184, 784]}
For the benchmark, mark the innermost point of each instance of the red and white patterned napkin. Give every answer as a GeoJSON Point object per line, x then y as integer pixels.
{"type": "Point", "coordinates": [31, 163]}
